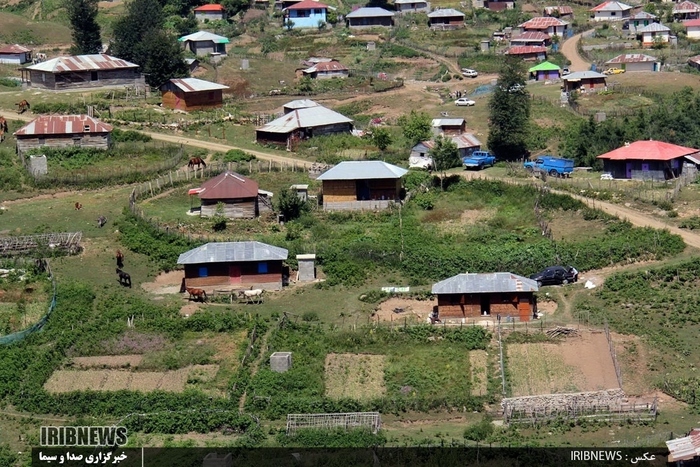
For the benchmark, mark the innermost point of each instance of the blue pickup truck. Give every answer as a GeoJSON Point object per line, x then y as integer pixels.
{"type": "Point", "coordinates": [479, 160]}
{"type": "Point", "coordinates": [554, 166]}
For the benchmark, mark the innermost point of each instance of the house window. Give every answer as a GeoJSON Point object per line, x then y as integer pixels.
{"type": "Point", "coordinates": [262, 267]}
{"type": "Point", "coordinates": [318, 11]}
{"type": "Point", "coordinates": [76, 140]}
{"type": "Point", "coordinates": [613, 13]}
{"type": "Point", "coordinates": [203, 271]}
{"type": "Point", "coordinates": [42, 141]}
{"type": "Point", "coordinates": [302, 13]}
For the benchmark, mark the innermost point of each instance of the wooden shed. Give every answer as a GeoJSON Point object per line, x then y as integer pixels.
{"type": "Point", "coordinates": [240, 196]}
{"type": "Point", "coordinates": [15, 54]}
{"type": "Point", "coordinates": [235, 264]}
{"type": "Point", "coordinates": [302, 123]}
{"type": "Point", "coordinates": [472, 295]}
{"type": "Point", "coordinates": [356, 185]}
{"type": "Point", "coordinates": [446, 18]}
{"type": "Point", "coordinates": [192, 94]}
{"type": "Point", "coordinates": [62, 131]}
{"type": "Point", "coordinates": [203, 43]}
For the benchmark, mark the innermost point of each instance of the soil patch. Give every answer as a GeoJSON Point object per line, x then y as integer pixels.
{"type": "Point", "coordinates": [108, 361]}
{"type": "Point", "coordinates": [164, 283]}
{"type": "Point", "coordinates": [547, 307]}
{"type": "Point", "coordinates": [189, 309]}
{"type": "Point", "coordinates": [413, 310]}
{"type": "Point", "coordinates": [354, 376]}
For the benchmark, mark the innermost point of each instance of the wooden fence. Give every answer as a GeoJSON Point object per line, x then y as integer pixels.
{"type": "Point", "coordinates": [67, 242]}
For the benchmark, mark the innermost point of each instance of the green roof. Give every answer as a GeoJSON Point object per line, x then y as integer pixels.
{"type": "Point", "coordinates": [544, 66]}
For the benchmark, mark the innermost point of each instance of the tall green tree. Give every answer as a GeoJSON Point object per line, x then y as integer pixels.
{"type": "Point", "coordinates": [381, 138]}
{"type": "Point", "coordinates": [161, 58]}
{"type": "Point", "coordinates": [416, 127]}
{"type": "Point", "coordinates": [445, 155]}
{"type": "Point", "coordinates": [509, 112]}
{"type": "Point", "coordinates": [82, 15]}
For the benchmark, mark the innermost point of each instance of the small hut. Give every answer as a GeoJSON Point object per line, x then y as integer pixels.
{"type": "Point", "coordinates": [545, 71]}
{"type": "Point", "coordinates": [239, 196]}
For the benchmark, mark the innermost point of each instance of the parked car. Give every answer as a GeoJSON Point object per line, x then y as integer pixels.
{"type": "Point", "coordinates": [463, 101]}
{"type": "Point", "coordinates": [469, 73]}
{"type": "Point", "coordinates": [554, 166]}
{"type": "Point", "coordinates": [556, 275]}
{"type": "Point", "coordinates": [479, 160]}
{"type": "Point", "coordinates": [613, 71]}
{"type": "Point", "coordinates": [565, 71]}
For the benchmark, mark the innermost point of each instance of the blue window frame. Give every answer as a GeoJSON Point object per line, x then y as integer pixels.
{"type": "Point", "coordinates": [203, 271]}
{"type": "Point", "coordinates": [262, 267]}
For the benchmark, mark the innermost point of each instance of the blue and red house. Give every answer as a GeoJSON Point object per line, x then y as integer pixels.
{"type": "Point", "coordinates": [306, 14]}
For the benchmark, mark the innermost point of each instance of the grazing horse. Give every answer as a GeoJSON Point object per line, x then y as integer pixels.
{"type": "Point", "coordinates": [124, 278]}
{"type": "Point", "coordinates": [198, 294]}
{"type": "Point", "coordinates": [101, 221]}
{"type": "Point", "coordinates": [3, 129]}
{"type": "Point", "coordinates": [78, 206]}
{"type": "Point", "coordinates": [252, 296]}
{"type": "Point", "coordinates": [120, 259]}
{"type": "Point", "coordinates": [196, 161]}
{"type": "Point", "coordinates": [22, 106]}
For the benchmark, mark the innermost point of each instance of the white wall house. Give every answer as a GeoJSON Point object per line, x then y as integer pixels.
{"type": "Point", "coordinates": [692, 28]}
{"type": "Point", "coordinates": [654, 33]}
{"type": "Point", "coordinates": [611, 11]}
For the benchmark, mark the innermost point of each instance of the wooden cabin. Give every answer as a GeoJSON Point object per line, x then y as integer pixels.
{"type": "Point", "coordinates": [233, 264]}
{"type": "Point", "coordinates": [82, 71]}
{"type": "Point", "coordinates": [192, 94]}
{"type": "Point", "coordinates": [357, 185]}
{"type": "Point", "coordinates": [474, 295]}
{"type": "Point", "coordinates": [240, 196]}
{"type": "Point", "coordinates": [446, 18]}
{"type": "Point", "coordinates": [63, 131]}
{"type": "Point", "coordinates": [302, 123]}
{"type": "Point", "coordinates": [584, 82]}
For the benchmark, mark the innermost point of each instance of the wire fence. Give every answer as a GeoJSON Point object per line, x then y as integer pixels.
{"type": "Point", "coordinates": [613, 354]}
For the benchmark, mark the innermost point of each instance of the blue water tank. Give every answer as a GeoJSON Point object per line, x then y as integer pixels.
{"type": "Point", "coordinates": [593, 68]}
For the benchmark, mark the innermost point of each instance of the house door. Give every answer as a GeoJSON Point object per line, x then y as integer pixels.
{"type": "Point", "coordinates": [485, 304]}
{"type": "Point", "coordinates": [362, 190]}
{"type": "Point", "coordinates": [234, 273]}
{"type": "Point", "coordinates": [628, 171]}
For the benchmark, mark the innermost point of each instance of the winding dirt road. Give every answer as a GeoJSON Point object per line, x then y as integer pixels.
{"type": "Point", "coordinates": [569, 49]}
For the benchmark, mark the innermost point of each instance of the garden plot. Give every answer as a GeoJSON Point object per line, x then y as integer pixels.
{"type": "Point", "coordinates": [353, 376]}
{"type": "Point", "coordinates": [574, 365]}
{"type": "Point", "coordinates": [108, 361]}
{"type": "Point", "coordinates": [478, 364]}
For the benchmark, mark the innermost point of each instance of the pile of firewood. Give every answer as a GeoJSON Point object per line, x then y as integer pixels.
{"type": "Point", "coordinates": [560, 331]}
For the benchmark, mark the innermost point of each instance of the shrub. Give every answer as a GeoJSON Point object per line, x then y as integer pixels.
{"type": "Point", "coordinates": [480, 431]}
{"type": "Point", "coordinates": [691, 223]}
{"type": "Point", "coordinates": [119, 136]}
{"type": "Point", "coordinates": [236, 155]}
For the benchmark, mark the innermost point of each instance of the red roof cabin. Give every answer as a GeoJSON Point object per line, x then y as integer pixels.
{"type": "Point", "coordinates": [211, 12]}
{"type": "Point", "coordinates": [61, 131]}
{"type": "Point", "coordinates": [192, 94]}
{"type": "Point", "coordinates": [546, 24]}
{"type": "Point", "coordinates": [15, 54]}
{"type": "Point", "coordinates": [529, 52]}
{"type": "Point", "coordinates": [535, 38]}
{"type": "Point", "coordinates": [648, 160]}
{"type": "Point", "coordinates": [240, 197]}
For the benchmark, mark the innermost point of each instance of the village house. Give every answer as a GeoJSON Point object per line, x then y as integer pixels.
{"type": "Point", "coordinates": [611, 11]}
{"type": "Point", "coordinates": [239, 196]}
{"type": "Point", "coordinates": [192, 64]}
{"type": "Point", "coordinates": [654, 33]}
{"type": "Point", "coordinates": [359, 185]}
{"type": "Point", "coordinates": [648, 160]}
{"type": "Point", "coordinates": [449, 126]}
{"type": "Point", "coordinates": [584, 82]}
{"type": "Point", "coordinates": [210, 12]}
{"type": "Point", "coordinates": [235, 264]}
{"type": "Point", "coordinates": [694, 62]}
{"type": "Point", "coordinates": [63, 131]}
{"type": "Point", "coordinates": [472, 295]}
{"type": "Point", "coordinates": [558, 11]}
{"type": "Point", "coordinates": [545, 71]}
{"type": "Point", "coordinates": [534, 38]}
{"type": "Point", "coordinates": [686, 10]}
{"type": "Point", "coordinates": [446, 18]}
{"type": "Point", "coordinates": [326, 70]}
{"type": "Point", "coordinates": [203, 43]}
{"type": "Point", "coordinates": [641, 19]}
{"type": "Point", "coordinates": [466, 143]}
{"type": "Point", "coordinates": [15, 55]}
{"type": "Point", "coordinates": [298, 104]}
{"type": "Point", "coordinates": [685, 450]}
{"type": "Point", "coordinates": [635, 62]}
{"type": "Point", "coordinates": [306, 14]}
{"type": "Point", "coordinates": [192, 94]}
{"type": "Point", "coordinates": [499, 5]}
{"type": "Point", "coordinates": [692, 28]}
{"type": "Point", "coordinates": [369, 17]}
{"type": "Point", "coordinates": [546, 24]}
{"type": "Point", "coordinates": [82, 71]}
{"type": "Point", "coordinates": [300, 124]}
{"type": "Point", "coordinates": [528, 52]}
{"type": "Point", "coordinates": [411, 6]}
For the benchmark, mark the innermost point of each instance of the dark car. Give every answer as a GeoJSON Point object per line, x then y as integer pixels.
{"type": "Point", "coordinates": [556, 275]}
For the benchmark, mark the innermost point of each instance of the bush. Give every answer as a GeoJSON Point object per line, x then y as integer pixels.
{"type": "Point", "coordinates": [425, 201]}
{"type": "Point", "coordinates": [481, 431]}
{"type": "Point", "coordinates": [236, 155]}
{"type": "Point", "coordinates": [119, 136]}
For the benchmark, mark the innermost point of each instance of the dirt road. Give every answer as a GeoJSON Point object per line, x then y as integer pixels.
{"type": "Point", "coordinates": [569, 49]}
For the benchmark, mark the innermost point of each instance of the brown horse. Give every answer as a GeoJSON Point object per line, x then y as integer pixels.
{"type": "Point", "coordinates": [3, 129]}
{"type": "Point", "coordinates": [120, 259]}
{"type": "Point", "coordinates": [196, 161]}
{"type": "Point", "coordinates": [78, 206]}
{"type": "Point", "coordinates": [22, 106]}
{"type": "Point", "coordinates": [198, 294]}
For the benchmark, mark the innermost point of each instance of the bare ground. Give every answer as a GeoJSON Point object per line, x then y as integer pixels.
{"type": "Point", "coordinates": [108, 361]}
{"type": "Point", "coordinates": [413, 310]}
{"type": "Point", "coordinates": [164, 283]}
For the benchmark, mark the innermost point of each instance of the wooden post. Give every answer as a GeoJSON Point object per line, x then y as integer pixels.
{"type": "Point", "coordinates": [150, 185]}
{"type": "Point", "coordinates": [170, 174]}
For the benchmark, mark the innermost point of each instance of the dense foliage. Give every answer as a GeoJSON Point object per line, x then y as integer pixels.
{"type": "Point", "coordinates": [416, 127]}
{"type": "Point", "coordinates": [509, 112]}
{"type": "Point", "coordinates": [85, 28]}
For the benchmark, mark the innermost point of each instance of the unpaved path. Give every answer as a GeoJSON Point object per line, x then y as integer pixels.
{"type": "Point", "coordinates": [569, 49]}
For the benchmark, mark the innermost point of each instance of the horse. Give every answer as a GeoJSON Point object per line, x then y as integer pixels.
{"type": "Point", "coordinates": [78, 206]}
{"type": "Point", "coordinates": [22, 106]}
{"type": "Point", "coordinates": [198, 294]}
{"type": "Point", "coordinates": [253, 295]}
{"type": "Point", "coordinates": [120, 259]}
{"type": "Point", "coordinates": [3, 129]}
{"type": "Point", "coordinates": [124, 278]}
{"type": "Point", "coordinates": [101, 221]}
{"type": "Point", "coordinates": [196, 161]}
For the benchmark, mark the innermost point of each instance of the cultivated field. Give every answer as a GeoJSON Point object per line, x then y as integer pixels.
{"type": "Point", "coordinates": [478, 364]}
{"type": "Point", "coordinates": [352, 376]}
{"type": "Point", "coordinates": [108, 361]}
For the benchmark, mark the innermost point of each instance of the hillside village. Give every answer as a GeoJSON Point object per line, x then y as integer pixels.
{"type": "Point", "coordinates": [308, 224]}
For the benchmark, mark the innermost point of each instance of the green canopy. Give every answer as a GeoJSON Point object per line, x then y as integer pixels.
{"type": "Point", "coordinates": [544, 66]}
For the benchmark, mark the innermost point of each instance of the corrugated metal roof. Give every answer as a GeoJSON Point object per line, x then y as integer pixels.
{"type": "Point", "coordinates": [204, 36]}
{"type": "Point", "coordinates": [643, 15]}
{"type": "Point", "coordinates": [370, 12]}
{"type": "Point", "coordinates": [363, 170]}
{"type": "Point", "coordinates": [526, 49]}
{"type": "Point", "coordinates": [691, 23]}
{"type": "Point", "coordinates": [495, 282]}
{"type": "Point", "coordinates": [563, 10]}
{"type": "Point", "coordinates": [686, 7]}
{"type": "Point", "coordinates": [304, 118]}
{"type": "Point", "coordinates": [330, 66]}
{"type": "Point", "coordinates": [194, 84]}
{"type": "Point", "coordinates": [301, 104]}
{"type": "Point", "coordinates": [63, 125]}
{"type": "Point", "coordinates": [631, 58]}
{"type": "Point", "coordinates": [82, 63]}
{"type": "Point", "coordinates": [229, 185]}
{"type": "Point", "coordinates": [531, 36]}
{"type": "Point", "coordinates": [307, 5]}
{"type": "Point", "coordinates": [686, 448]}
{"type": "Point", "coordinates": [695, 59]}
{"type": "Point", "coordinates": [542, 22]}
{"type": "Point", "coordinates": [404, 2]}
{"type": "Point", "coordinates": [693, 159]}
{"type": "Point", "coordinates": [210, 7]}
{"type": "Point", "coordinates": [579, 75]}
{"type": "Point", "coordinates": [445, 13]}
{"type": "Point", "coordinates": [466, 140]}
{"type": "Point", "coordinates": [438, 122]}
{"type": "Point", "coordinates": [232, 252]}
{"type": "Point", "coordinates": [654, 27]}
{"type": "Point", "coordinates": [14, 49]}
{"type": "Point", "coordinates": [611, 6]}
{"type": "Point", "coordinates": [648, 151]}
{"type": "Point", "coordinates": [544, 66]}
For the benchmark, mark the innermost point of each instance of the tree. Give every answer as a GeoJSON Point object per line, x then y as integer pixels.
{"type": "Point", "coordinates": [416, 126]}
{"type": "Point", "coordinates": [445, 155]}
{"type": "Point", "coordinates": [509, 112]}
{"type": "Point", "coordinates": [82, 15]}
{"type": "Point", "coordinates": [233, 7]}
{"type": "Point", "coordinates": [161, 58]}
{"type": "Point", "coordinates": [291, 205]}
{"type": "Point", "coordinates": [185, 26]}
{"type": "Point", "coordinates": [381, 138]}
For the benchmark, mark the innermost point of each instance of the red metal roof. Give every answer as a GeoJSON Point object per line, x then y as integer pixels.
{"type": "Point", "coordinates": [531, 36]}
{"type": "Point", "coordinates": [229, 185]}
{"type": "Point", "coordinates": [563, 10]}
{"type": "Point", "coordinates": [648, 151]}
{"type": "Point", "coordinates": [611, 6]}
{"type": "Point", "coordinates": [695, 59]}
{"type": "Point", "coordinates": [63, 125]}
{"type": "Point", "coordinates": [82, 63]}
{"type": "Point", "coordinates": [686, 7]}
{"type": "Point", "coordinates": [688, 24]}
{"type": "Point", "coordinates": [307, 5]}
{"type": "Point", "coordinates": [14, 49]}
{"type": "Point", "coordinates": [542, 22]}
{"type": "Point", "coordinates": [330, 66]}
{"type": "Point", "coordinates": [210, 7]}
{"type": "Point", "coordinates": [526, 49]}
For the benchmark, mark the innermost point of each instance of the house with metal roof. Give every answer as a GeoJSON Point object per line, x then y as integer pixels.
{"type": "Point", "coordinates": [299, 104]}
{"type": "Point", "coordinates": [686, 10]}
{"type": "Point", "coordinates": [82, 71]}
{"type": "Point", "coordinates": [692, 28]}
{"type": "Point", "coordinates": [466, 144]}
{"type": "Point", "coordinates": [446, 18]}
{"type": "Point", "coordinates": [635, 62]}
{"type": "Point", "coordinates": [530, 53]}
{"type": "Point", "coordinates": [62, 131]}
{"type": "Point", "coordinates": [411, 6]}
{"type": "Point", "coordinates": [472, 295]}
{"type": "Point", "coordinates": [449, 126]}
{"type": "Point", "coordinates": [300, 124]}
{"type": "Point", "coordinates": [685, 450]}
{"type": "Point", "coordinates": [192, 94]}
{"type": "Point", "coordinates": [204, 43]}
{"type": "Point", "coordinates": [326, 70]}
{"type": "Point", "coordinates": [369, 17]}
{"type": "Point", "coordinates": [359, 185]}
{"type": "Point", "coordinates": [15, 54]}
{"type": "Point", "coordinates": [653, 34]}
{"type": "Point", "coordinates": [535, 38]}
{"type": "Point", "coordinates": [649, 160]}
{"type": "Point", "coordinates": [545, 71]}
{"type": "Point", "coordinates": [584, 81]}
{"type": "Point", "coordinates": [558, 11]}
{"type": "Point", "coordinates": [210, 12]}
{"type": "Point", "coordinates": [611, 11]}
{"type": "Point", "coordinates": [239, 196]}
{"type": "Point", "coordinates": [306, 14]}
{"type": "Point", "coordinates": [641, 19]}
{"type": "Point", "coordinates": [546, 24]}
{"type": "Point", "coordinates": [235, 264]}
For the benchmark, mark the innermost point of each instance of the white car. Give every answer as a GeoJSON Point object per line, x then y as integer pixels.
{"type": "Point", "coordinates": [469, 73]}
{"type": "Point", "coordinates": [463, 101]}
